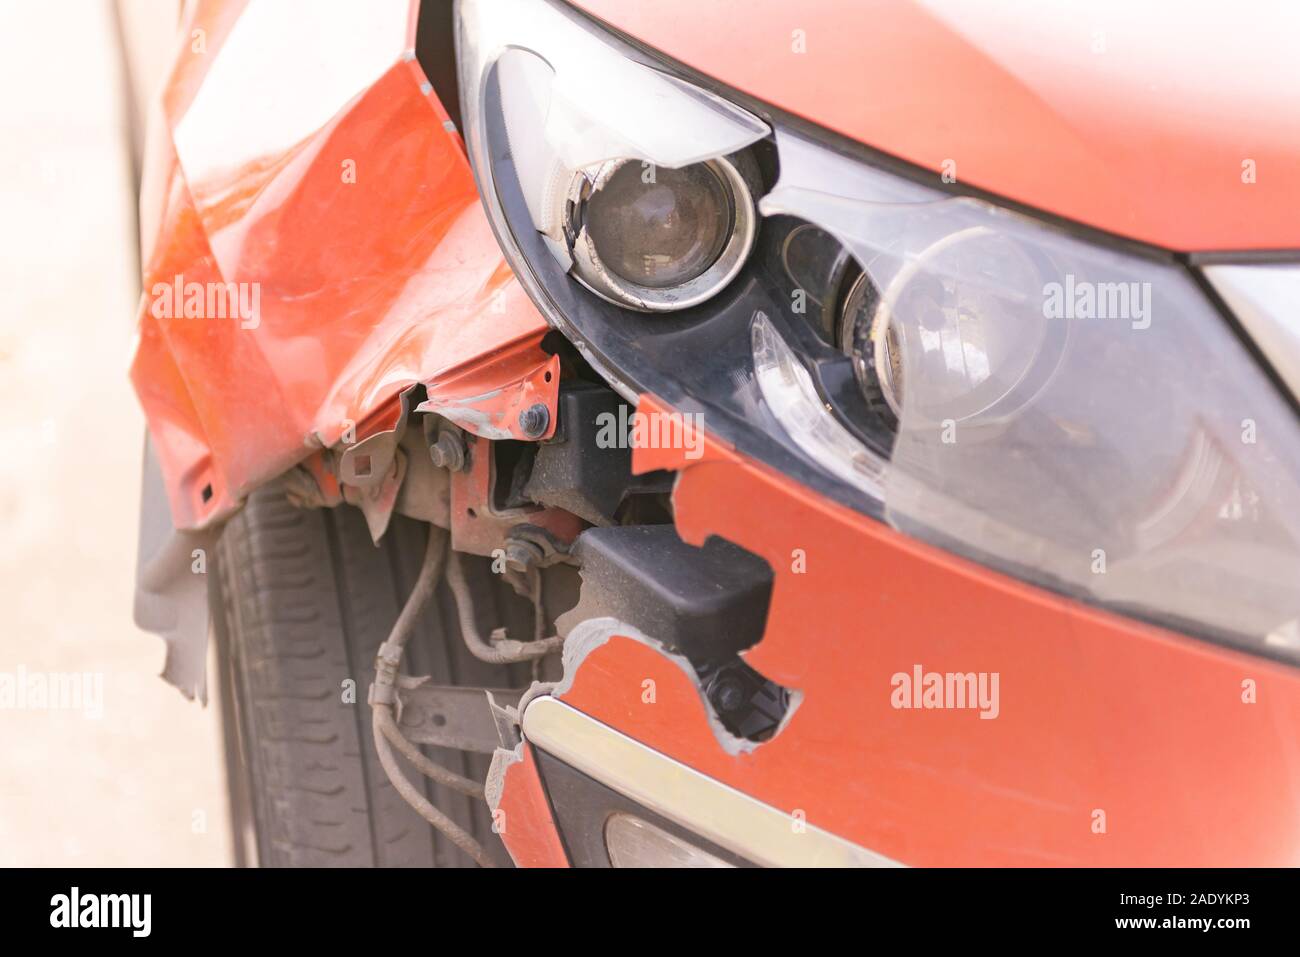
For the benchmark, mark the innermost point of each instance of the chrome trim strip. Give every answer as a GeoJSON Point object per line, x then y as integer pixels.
{"type": "Point", "coordinates": [718, 812]}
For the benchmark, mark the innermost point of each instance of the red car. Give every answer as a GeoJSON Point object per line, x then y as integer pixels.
{"type": "Point", "coordinates": [736, 433]}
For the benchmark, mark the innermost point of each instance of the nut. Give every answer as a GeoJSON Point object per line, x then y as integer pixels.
{"type": "Point", "coordinates": [448, 452]}
{"type": "Point", "coordinates": [534, 420]}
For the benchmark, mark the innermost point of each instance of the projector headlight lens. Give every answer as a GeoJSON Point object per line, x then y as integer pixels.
{"type": "Point", "coordinates": [658, 239]}
{"type": "Point", "coordinates": [660, 229]}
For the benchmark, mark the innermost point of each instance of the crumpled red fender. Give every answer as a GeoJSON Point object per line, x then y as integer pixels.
{"type": "Point", "coordinates": [328, 185]}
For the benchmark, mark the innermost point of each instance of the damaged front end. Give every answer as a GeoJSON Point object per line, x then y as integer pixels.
{"type": "Point", "coordinates": [680, 463]}
{"type": "Point", "coordinates": [392, 364]}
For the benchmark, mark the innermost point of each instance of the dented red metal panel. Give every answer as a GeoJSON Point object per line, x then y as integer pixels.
{"type": "Point", "coordinates": [326, 183]}
{"type": "Point", "coordinates": [1096, 713]}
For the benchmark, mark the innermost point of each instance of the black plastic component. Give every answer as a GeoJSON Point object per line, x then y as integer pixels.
{"type": "Point", "coordinates": [580, 469]}
{"type": "Point", "coordinates": [512, 462]}
{"type": "Point", "coordinates": [748, 705]}
{"type": "Point", "coordinates": [435, 51]}
{"type": "Point", "coordinates": [706, 603]}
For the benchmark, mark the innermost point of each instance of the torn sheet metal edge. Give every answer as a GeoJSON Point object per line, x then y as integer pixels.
{"type": "Point", "coordinates": [521, 811]}
{"type": "Point", "coordinates": [588, 635]}
{"type": "Point", "coordinates": [489, 397]}
{"type": "Point", "coordinates": [375, 488]}
{"type": "Point", "coordinates": [393, 309]}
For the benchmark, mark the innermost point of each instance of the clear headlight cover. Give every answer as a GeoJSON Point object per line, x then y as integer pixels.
{"type": "Point", "coordinates": [1074, 413]}
{"type": "Point", "coordinates": [1079, 415]}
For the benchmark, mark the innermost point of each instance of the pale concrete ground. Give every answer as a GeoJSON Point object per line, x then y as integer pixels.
{"type": "Point", "coordinates": [143, 783]}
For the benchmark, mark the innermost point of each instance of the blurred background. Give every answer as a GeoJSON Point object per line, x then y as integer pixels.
{"type": "Point", "coordinates": [141, 783]}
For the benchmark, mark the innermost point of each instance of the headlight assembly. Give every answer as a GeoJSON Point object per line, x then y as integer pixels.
{"type": "Point", "coordinates": [1067, 408]}
{"type": "Point", "coordinates": [613, 161]}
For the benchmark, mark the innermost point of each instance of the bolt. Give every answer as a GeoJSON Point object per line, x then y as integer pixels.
{"type": "Point", "coordinates": [534, 420]}
{"type": "Point", "coordinates": [448, 452]}
{"type": "Point", "coordinates": [728, 694]}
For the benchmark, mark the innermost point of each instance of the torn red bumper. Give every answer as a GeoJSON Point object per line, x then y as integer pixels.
{"type": "Point", "coordinates": [1115, 743]}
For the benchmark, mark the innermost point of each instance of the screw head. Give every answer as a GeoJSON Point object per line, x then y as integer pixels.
{"type": "Point", "coordinates": [728, 694]}
{"type": "Point", "coordinates": [534, 420]}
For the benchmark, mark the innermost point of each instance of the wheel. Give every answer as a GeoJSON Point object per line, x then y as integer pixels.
{"type": "Point", "coordinates": [302, 601]}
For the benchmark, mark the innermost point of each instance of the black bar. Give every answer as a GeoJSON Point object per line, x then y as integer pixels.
{"type": "Point", "coordinates": [507, 910]}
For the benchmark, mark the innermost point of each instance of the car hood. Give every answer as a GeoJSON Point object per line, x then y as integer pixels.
{"type": "Point", "coordinates": [1169, 124]}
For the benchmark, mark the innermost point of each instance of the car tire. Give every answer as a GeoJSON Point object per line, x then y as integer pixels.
{"type": "Point", "coordinates": [302, 600]}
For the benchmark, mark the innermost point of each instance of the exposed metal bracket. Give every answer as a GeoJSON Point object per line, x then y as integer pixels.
{"type": "Point", "coordinates": [453, 717]}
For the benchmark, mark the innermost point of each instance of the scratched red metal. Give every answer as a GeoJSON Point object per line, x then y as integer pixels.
{"type": "Point", "coordinates": [487, 397]}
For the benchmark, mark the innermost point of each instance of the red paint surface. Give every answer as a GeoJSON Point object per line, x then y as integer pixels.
{"type": "Point", "coordinates": [527, 828]}
{"type": "Point", "coordinates": [1096, 712]}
